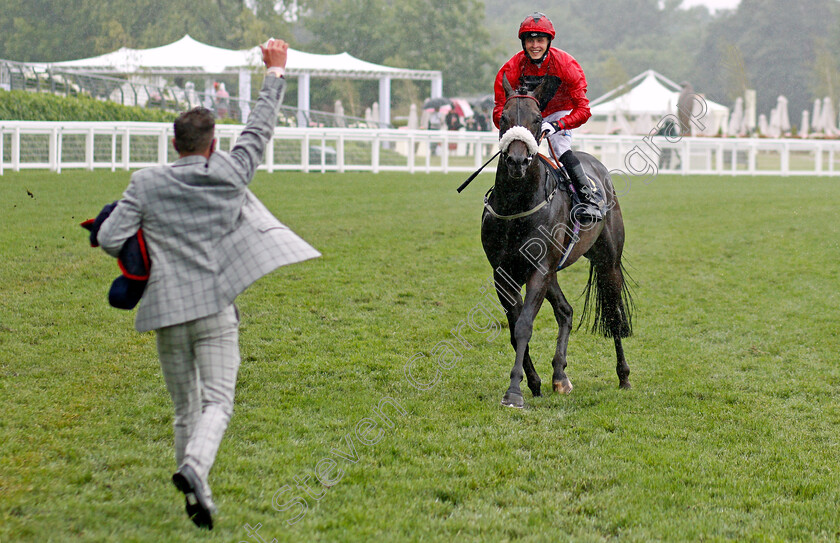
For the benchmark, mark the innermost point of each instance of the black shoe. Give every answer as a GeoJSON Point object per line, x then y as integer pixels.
{"type": "Point", "coordinates": [200, 506]}
{"type": "Point", "coordinates": [587, 213]}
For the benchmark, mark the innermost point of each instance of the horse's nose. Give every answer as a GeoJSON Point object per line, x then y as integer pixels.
{"type": "Point", "coordinates": [517, 161]}
{"type": "Point", "coordinates": [518, 164]}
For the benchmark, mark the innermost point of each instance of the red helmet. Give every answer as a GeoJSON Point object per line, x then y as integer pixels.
{"type": "Point", "coordinates": [536, 24]}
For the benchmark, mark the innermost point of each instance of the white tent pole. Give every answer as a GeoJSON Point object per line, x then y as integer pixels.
{"type": "Point", "coordinates": [209, 93]}
{"type": "Point", "coordinates": [384, 101]}
{"type": "Point", "coordinates": [244, 94]}
{"type": "Point", "coordinates": [303, 100]}
{"type": "Point", "coordinates": [437, 87]}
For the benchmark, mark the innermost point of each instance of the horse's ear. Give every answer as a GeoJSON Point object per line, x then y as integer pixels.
{"type": "Point", "coordinates": [506, 85]}
{"type": "Point", "coordinates": [546, 90]}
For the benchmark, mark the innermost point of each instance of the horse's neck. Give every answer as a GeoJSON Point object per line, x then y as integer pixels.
{"type": "Point", "coordinates": [519, 192]}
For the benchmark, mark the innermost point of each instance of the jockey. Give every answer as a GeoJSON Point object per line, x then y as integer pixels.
{"type": "Point", "coordinates": [568, 109]}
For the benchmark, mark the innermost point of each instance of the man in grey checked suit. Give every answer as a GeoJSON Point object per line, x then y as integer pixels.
{"type": "Point", "coordinates": [208, 239]}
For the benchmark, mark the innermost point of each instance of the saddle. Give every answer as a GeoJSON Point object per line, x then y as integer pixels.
{"type": "Point", "coordinates": [559, 177]}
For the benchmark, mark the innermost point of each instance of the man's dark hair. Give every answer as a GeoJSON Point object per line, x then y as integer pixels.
{"type": "Point", "coordinates": [194, 130]}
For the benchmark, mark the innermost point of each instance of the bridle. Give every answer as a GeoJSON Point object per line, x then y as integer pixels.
{"type": "Point", "coordinates": [525, 96]}
{"type": "Point", "coordinates": [530, 155]}
{"type": "Point", "coordinates": [549, 197]}
{"type": "Point", "coordinates": [547, 202]}
{"type": "Point", "coordinates": [499, 152]}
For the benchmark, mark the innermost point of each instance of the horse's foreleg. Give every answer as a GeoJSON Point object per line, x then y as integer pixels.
{"type": "Point", "coordinates": [563, 313]}
{"type": "Point", "coordinates": [533, 378]}
{"type": "Point", "coordinates": [511, 301]}
{"type": "Point", "coordinates": [522, 330]}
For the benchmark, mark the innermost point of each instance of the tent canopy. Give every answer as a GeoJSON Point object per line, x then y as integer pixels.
{"type": "Point", "coordinates": [649, 93]}
{"type": "Point", "coordinates": [188, 55]}
{"type": "Point", "coordinates": [191, 57]}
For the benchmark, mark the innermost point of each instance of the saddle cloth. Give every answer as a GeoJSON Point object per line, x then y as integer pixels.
{"type": "Point", "coordinates": [562, 179]}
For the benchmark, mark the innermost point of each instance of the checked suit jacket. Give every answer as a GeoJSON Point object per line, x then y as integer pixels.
{"type": "Point", "coordinates": [208, 236]}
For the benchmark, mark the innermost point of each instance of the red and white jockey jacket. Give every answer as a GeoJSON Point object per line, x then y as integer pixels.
{"type": "Point", "coordinates": [571, 95]}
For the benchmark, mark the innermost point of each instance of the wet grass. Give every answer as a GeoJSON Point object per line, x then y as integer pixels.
{"type": "Point", "coordinates": [730, 431]}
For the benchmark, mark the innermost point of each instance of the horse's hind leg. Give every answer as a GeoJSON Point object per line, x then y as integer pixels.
{"type": "Point", "coordinates": [563, 314]}
{"type": "Point", "coordinates": [621, 367]}
{"type": "Point", "coordinates": [512, 311]}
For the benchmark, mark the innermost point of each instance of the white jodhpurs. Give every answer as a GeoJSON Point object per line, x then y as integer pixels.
{"type": "Point", "coordinates": [560, 141]}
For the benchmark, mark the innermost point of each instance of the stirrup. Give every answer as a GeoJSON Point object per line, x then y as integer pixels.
{"type": "Point", "coordinates": [587, 213]}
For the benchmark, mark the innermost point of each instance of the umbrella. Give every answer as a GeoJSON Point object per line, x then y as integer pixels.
{"type": "Point", "coordinates": [339, 114]}
{"type": "Point", "coordinates": [805, 127]}
{"type": "Point", "coordinates": [485, 103]}
{"type": "Point", "coordinates": [784, 118]}
{"type": "Point", "coordinates": [816, 116]}
{"type": "Point", "coordinates": [763, 127]}
{"type": "Point", "coordinates": [736, 121]}
{"type": "Point", "coordinates": [774, 128]}
{"type": "Point", "coordinates": [463, 107]}
{"type": "Point", "coordinates": [374, 113]}
{"type": "Point", "coordinates": [829, 120]}
{"type": "Point", "coordinates": [435, 103]}
{"type": "Point", "coordinates": [413, 121]}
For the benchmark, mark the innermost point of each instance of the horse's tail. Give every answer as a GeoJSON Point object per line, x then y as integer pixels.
{"type": "Point", "coordinates": [610, 301]}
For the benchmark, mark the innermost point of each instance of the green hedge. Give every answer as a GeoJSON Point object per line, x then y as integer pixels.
{"type": "Point", "coordinates": [34, 106]}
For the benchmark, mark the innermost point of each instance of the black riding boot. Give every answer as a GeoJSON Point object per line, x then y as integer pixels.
{"type": "Point", "coordinates": [592, 199]}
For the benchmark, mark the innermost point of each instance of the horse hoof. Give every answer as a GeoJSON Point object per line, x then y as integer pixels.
{"type": "Point", "coordinates": [625, 385]}
{"type": "Point", "coordinates": [513, 400]}
{"type": "Point", "coordinates": [535, 390]}
{"type": "Point", "coordinates": [563, 387]}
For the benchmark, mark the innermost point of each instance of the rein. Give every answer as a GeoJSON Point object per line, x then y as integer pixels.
{"type": "Point", "coordinates": [478, 171]}
{"type": "Point", "coordinates": [534, 209]}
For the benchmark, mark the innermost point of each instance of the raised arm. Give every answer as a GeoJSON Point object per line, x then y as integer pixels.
{"type": "Point", "coordinates": [247, 154]}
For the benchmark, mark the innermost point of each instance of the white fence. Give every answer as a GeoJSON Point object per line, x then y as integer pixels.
{"type": "Point", "coordinates": [123, 145]}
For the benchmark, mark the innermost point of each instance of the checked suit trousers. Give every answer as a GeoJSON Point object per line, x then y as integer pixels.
{"type": "Point", "coordinates": [200, 360]}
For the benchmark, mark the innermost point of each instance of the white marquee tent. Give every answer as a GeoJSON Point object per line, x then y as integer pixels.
{"type": "Point", "coordinates": [649, 96]}
{"type": "Point", "coordinates": [191, 57]}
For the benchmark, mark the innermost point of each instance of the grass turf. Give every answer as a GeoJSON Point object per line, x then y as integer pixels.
{"type": "Point", "coordinates": [730, 431]}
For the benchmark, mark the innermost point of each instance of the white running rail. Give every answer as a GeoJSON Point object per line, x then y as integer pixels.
{"type": "Point", "coordinates": [58, 146]}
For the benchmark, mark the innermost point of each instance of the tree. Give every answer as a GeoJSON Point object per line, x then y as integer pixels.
{"type": "Point", "coordinates": [826, 68]}
{"type": "Point", "coordinates": [55, 30]}
{"type": "Point", "coordinates": [45, 30]}
{"type": "Point", "coordinates": [777, 52]}
{"type": "Point", "coordinates": [416, 34]}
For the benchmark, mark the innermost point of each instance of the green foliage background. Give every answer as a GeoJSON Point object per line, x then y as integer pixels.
{"type": "Point", "coordinates": [775, 46]}
{"type": "Point", "coordinates": [32, 106]}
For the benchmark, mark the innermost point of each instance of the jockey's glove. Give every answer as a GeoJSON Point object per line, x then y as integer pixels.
{"type": "Point", "coordinates": [549, 128]}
